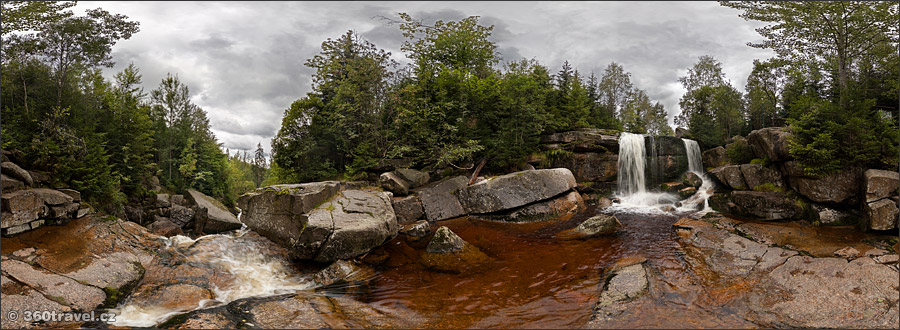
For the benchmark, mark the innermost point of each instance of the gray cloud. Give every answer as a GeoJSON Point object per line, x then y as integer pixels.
{"type": "Point", "coordinates": [243, 61]}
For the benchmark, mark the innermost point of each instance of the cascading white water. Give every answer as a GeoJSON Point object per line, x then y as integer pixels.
{"type": "Point", "coordinates": [632, 179]}
{"type": "Point", "coordinates": [695, 165]}
{"type": "Point", "coordinates": [254, 275]}
{"type": "Point", "coordinates": [632, 162]}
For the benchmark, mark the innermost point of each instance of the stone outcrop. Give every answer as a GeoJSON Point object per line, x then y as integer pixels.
{"type": "Point", "coordinates": [218, 218]}
{"type": "Point", "coordinates": [835, 188]}
{"type": "Point", "coordinates": [590, 166]}
{"type": "Point", "coordinates": [770, 143]}
{"type": "Point", "coordinates": [24, 210]}
{"type": "Point", "coordinates": [731, 176]}
{"type": "Point", "coordinates": [320, 221]}
{"type": "Point", "coordinates": [514, 190]}
{"type": "Point", "coordinates": [766, 205]}
{"type": "Point", "coordinates": [393, 183]}
{"type": "Point", "coordinates": [691, 179]}
{"type": "Point", "coordinates": [756, 175]}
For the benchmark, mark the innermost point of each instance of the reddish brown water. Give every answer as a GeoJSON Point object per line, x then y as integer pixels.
{"type": "Point", "coordinates": [538, 280]}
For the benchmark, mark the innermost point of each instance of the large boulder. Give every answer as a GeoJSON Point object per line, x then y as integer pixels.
{"type": "Point", "coordinates": [359, 220]}
{"type": "Point", "coordinates": [881, 184]}
{"type": "Point", "coordinates": [771, 143]}
{"type": "Point", "coordinates": [218, 219]}
{"type": "Point", "coordinates": [766, 205]}
{"type": "Point", "coordinates": [279, 212]}
{"type": "Point", "coordinates": [756, 175]}
{"type": "Point", "coordinates": [882, 215]}
{"type": "Point", "coordinates": [835, 188]}
{"type": "Point", "coordinates": [319, 221]}
{"type": "Point", "coordinates": [549, 209]}
{"type": "Point", "coordinates": [731, 176]}
{"type": "Point", "coordinates": [714, 157]}
{"type": "Point", "coordinates": [440, 200]}
{"type": "Point", "coordinates": [514, 190]}
{"type": "Point", "coordinates": [16, 172]}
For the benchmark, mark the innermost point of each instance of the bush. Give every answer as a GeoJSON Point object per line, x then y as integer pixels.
{"type": "Point", "coordinates": [739, 152]}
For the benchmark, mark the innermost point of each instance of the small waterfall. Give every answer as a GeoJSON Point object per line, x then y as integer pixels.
{"type": "Point", "coordinates": [695, 165]}
{"type": "Point", "coordinates": [632, 163]}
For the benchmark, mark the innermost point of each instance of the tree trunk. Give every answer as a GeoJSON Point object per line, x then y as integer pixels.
{"type": "Point", "coordinates": [477, 170]}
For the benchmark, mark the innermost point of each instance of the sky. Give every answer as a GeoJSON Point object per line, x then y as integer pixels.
{"type": "Point", "coordinates": [243, 61]}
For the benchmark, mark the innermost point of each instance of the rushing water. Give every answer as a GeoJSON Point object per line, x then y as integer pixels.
{"type": "Point", "coordinates": [253, 274]}
{"type": "Point", "coordinates": [695, 165]}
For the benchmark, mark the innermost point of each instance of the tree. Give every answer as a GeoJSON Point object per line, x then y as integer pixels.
{"type": "Point", "coordinates": [764, 91]}
{"type": "Point", "coordinates": [615, 85]}
{"type": "Point", "coordinates": [259, 165]}
{"type": "Point", "coordinates": [84, 41]}
{"type": "Point", "coordinates": [838, 31]}
{"type": "Point", "coordinates": [712, 109]}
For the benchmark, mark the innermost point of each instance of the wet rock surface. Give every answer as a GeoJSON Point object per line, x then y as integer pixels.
{"type": "Point", "coordinates": [297, 311]}
{"type": "Point", "coordinates": [784, 289]}
{"type": "Point", "coordinates": [598, 225]}
{"type": "Point", "coordinates": [835, 188]}
{"type": "Point", "coordinates": [408, 209]}
{"type": "Point", "coordinates": [731, 176]}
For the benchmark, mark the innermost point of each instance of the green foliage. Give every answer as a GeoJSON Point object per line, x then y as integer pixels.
{"type": "Point", "coordinates": [761, 161]}
{"type": "Point", "coordinates": [739, 152]}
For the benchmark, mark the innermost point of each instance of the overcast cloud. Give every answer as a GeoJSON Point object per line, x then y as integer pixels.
{"type": "Point", "coordinates": [243, 61]}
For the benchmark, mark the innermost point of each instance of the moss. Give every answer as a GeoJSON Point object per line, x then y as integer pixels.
{"type": "Point", "coordinates": [768, 187]}
{"type": "Point", "coordinates": [60, 300]}
{"type": "Point", "coordinates": [761, 161]}
{"type": "Point", "coordinates": [108, 218]}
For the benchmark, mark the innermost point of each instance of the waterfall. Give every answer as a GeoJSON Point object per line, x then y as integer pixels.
{"type": "Point", "coordinates": [695, 163]}
{"type": "Point", "coordinates": [632, 162]}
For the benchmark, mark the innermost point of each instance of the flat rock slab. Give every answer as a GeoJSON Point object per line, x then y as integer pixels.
{"type": "Point", "coordinates": [61, 289]}
{"type": "Point", "coordinates": [515, 189]}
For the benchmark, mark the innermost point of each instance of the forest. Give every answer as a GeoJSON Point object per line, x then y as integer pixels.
{"type": "Point", "coordinates": [834, 83]}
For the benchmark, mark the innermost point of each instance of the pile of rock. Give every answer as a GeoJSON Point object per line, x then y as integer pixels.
{"type": "Point", "coordinates": [26, 205]}
{"type": "Point", "coordinates": [775, 187]}
{"type": "Point", "coordinates": [169, 215]}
